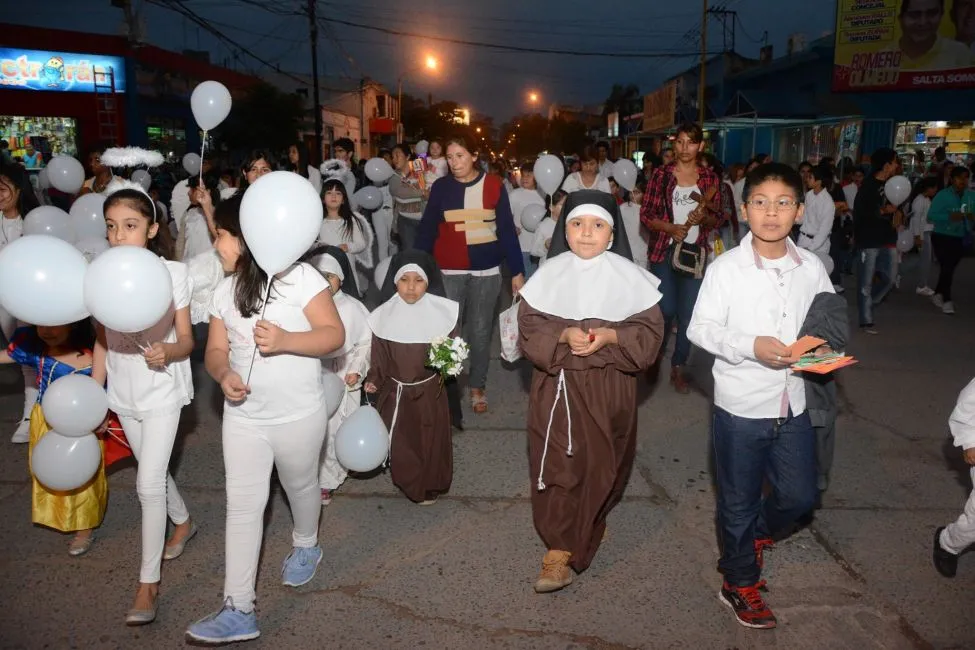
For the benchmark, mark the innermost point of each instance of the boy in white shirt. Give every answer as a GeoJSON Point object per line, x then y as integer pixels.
{"type": "Point", "coordinates": [952, 540]}
{"type": "Point", "coordinates": [750, 309]}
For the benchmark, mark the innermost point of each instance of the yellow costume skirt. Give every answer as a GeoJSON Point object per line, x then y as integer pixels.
{"type": "Point", "coordinates": [71, 511]}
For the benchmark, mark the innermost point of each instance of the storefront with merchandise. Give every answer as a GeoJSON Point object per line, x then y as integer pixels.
{"type": "Point", "coordinates": [57, 102]}
{"type": "Point", "coordinates": [958, 139]}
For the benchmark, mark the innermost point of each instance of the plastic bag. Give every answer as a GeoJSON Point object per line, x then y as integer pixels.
{"type": "Point", "coordinates": [508, 328]}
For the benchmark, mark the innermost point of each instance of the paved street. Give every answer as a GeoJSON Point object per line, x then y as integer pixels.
{"type": "Point", "coordinates": [459, 574]}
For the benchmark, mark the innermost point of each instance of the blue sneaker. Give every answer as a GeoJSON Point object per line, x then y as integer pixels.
{"type": "Point", "coordinates": [229, 625]}
{"type": "Point", "coordinates": [299, 567]}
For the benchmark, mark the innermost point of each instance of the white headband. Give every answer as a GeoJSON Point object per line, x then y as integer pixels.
{"type": "Point", "coordinates": [590, 210]}
{"type": "Point", "coordinates": [117, 184]}
{"type": "Point", "coordinates": [131, 157]}
{"type": "Point", "coordinates": [329, 264]}
{"type": "Point", "coordinates": [406, 268]}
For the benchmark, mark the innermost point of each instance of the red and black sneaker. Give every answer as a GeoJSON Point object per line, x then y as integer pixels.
{"type": "Point", "coordinates": [762, 543]}
{"type": "Point", "coordinates": [748, 605]}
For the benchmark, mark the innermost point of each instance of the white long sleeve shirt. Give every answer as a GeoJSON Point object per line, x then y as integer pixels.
{"type": "Point", "coordinates": [744, 296]}
{"type": "Point", "coordinates": [542, 234]}
{"type": "Point", "coordinates": [962, 420]}
{"type": "Point", "coordinates": [573, 183]}
{"type": "Point", "coordinates": [919, 216]}
{"type": "Point", "coordinates": [817, 222]}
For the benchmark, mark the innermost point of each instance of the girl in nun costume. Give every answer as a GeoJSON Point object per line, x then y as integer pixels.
{"type": "Point", "coordinates": [590, 324]}
{"type": "Point", "coordinates": [410, 396]}
{"type": "Point", "coordinates": [350, 362]}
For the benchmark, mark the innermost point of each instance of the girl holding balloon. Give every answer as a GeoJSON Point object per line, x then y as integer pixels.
{"type": "Point", "coordinates": [17, 199]}
{"type": "Point", "coordinates": [344, 228]}
{"type": "Point", "coordinates": [265, 354]}
{"type": "Point", "coordinates": [149, 382]}
{"type": "Point", "coordinates": [56, 352]}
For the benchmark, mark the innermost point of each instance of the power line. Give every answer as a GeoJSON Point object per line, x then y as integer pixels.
{"type": "Point", "coordinates": [509, 48]}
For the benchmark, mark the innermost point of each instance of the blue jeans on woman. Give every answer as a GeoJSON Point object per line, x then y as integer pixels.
{"type": "Point", "coordinates": [679, 296]}
{"type": "Point", "coordinates": [746, 453]}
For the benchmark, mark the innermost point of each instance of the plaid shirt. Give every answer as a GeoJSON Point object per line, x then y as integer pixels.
{"type": "Point", "coordinates": [658, 205]}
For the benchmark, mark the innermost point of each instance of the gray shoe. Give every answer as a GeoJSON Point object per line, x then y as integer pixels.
{"type": "Point", "coordinates": [174, 551]}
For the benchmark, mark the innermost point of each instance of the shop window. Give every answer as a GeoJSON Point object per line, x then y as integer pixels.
{"type": "Point", "coordinates": [47, 135]}
{"type": "Point", "coordinates": [167, 135]}
{"type": "Point", "coordinates": [381, 109]}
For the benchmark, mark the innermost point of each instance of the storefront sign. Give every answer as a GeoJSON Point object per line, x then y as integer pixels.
{"type": "Point", "coordinates": [904, 45]}
{"type": "Point", "coordinates": [59, 71]}
{"type": "Point", "coordinates": [659, 107]}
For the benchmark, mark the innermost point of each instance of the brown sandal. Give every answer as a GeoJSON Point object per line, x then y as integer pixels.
{"type": "Point", "coordinates": [479, 403]}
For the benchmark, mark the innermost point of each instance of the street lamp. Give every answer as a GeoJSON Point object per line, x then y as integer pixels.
{"type": "Point", "coordinates": [430, 63]}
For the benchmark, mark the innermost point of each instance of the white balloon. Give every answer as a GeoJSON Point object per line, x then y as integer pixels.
{"type": "Point", "coordinates": [61, 463]}
{"type": "Point", "coordinates": [362, 442]}
{"type": "Point", "coordinates": [210, 103]}
{"type": "Point", "coordinates": [368, 198]}
{"type": "Point", "coordinates": [88, 216]}
{"type": "Point", "coordinates": [44, 179]}
{"type": "Point", "coordinates": [334, 392]}
{"type": "Point", "coordinates": [66, 174]}
{"type": "Point", "coordinates": [897, 189]}
{"type": "Point", "coordinates": [625, 172]}
{"type": "Point", "coordinates": [128, 289]}
{"type": "Point", "coordinates": [92, 247]}
{"type": "Point", "coordinates": [143, 178]}
{"type": "Point", "coordinates": [191, 163]}
{"type": "Point", "coordinates": [378, 170]}
{"type": "Point", "coordinates": [49, 220]}
{"type": "Point", "coordinates": [379, 275]}
{"type": "Point", "coordinates": [41, 281]}
{"type": "Point", "coordinates": [532, 215]}
{"type": "Point", "coordinates": [422, 147]}
{"type": "Point", "coordinates": [905, 241]}
{"type": "Point", "coordinates": [280, 217]}
{"type": "Point", "coordinates": [75, 405]}
{"type": "Point", "coordinates": [549, 172]}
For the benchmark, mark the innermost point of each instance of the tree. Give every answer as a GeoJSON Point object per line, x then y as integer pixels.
{"type": "Point", "coordinates": [263, 117]}
{"type": "Point", "coordinates": [625, 100]}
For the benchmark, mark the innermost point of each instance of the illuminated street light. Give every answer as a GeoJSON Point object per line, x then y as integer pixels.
{"type": "Point", "coordinates": [478, 129]}
{"type": "Point", "coordinates": [431, 62]}
{"type": "Point", "coordinates": [533, 97]}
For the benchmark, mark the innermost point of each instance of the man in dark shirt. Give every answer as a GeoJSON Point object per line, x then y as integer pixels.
{"type": "Point", "coordinates": [875, 237]}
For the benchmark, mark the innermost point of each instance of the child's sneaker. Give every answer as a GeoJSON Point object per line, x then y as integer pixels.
{"type": "Point", "coordinates": [946, 563]}
{"type": "Point", "coordinates": [748, 605]}
{"type": "Point", "coordinates": [326, 496]}
{"type": "Point", "coordinates": [762, 543]}
{"type": "Point", "coordinates": [927, 292]}
{"type": "Point", "coordinates": [229, 625]}
{"type": "Point", "coordinates": [948, 308]}
{"type": "Point", "coordinates": [555, 573]}
{"type": "Point", "coordinates": [938, 301]}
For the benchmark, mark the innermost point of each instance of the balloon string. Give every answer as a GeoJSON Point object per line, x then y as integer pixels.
{"type": "Point", "coordinates": [203, 148]}
{"type": "Point", "coordinates": [263, 310]}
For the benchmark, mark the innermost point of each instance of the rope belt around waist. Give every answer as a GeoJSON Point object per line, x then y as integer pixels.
{"type": "Point", "coordinates": [400, 385]}
{"type": "Point", "coordinates": [560, 391]}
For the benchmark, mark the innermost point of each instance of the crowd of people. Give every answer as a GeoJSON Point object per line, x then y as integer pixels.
{"type": "Point", "coordinates": [741, 262]}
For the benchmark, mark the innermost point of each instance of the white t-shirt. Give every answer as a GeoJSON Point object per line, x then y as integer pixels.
{"type": "Point", "coordinates": [635, 232]}
{"type": "Point", "coordinates": [607, 169]}
{"type": "Point", "coordinates": [10, 229]}
{"type": "Point", "coordinates": [284, 387]}
{"type": "Point", "coordinates": [683, 206]}
{"type": "Point", "coordinates": [573, 183]}
{"type": "Point", "coordinates": [134, 389]}
{"type": "Point", "coordinates": [543, 233]}
{"type": "Point", "coordinates": [919, 216]}
{"type": "Point", "coordinates": [353, 356]}
{"type": "Point", "coordinates": [519, 199]}
{"type": "Point", "coordinates": [197, 234]}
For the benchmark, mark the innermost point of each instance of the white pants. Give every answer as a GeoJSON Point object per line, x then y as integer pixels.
{"type": "Point", "coordinates": [151, 439]}
{"type": "Point", "coordinates": [250, 451]}
{"type": "Point", "coordinates": [382, 221]}
{"type": "Point", "coordinates": [8, 324]}
{"type": "Point", "coordinates": [332, 473]}
{"type": "Point", "coordinates": [960, 534]}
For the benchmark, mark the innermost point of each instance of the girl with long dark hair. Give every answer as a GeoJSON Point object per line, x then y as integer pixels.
{"type": "Point", "coordinates": [346, 229]}
{"type": "Point", "coordinates": [298, 163]}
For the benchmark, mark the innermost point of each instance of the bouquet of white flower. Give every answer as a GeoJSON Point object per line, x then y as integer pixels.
{"type": "Point", "coordinates": [447, 356]}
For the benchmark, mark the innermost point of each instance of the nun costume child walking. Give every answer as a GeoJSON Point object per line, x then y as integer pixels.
{"type": "Point", "coordinates": [409, 395]}
{"type": "Point", "coordinates": [590, 324]}
{"type": "Point", "coordinates": [350, 362]}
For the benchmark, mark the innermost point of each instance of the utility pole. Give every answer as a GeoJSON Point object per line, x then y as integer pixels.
{"type": "Point", "coordinates": [704, 63]}
{"type": "Point", "coordinates": [313, 24]}
{"type": "Point", "coordinates": [363, 154]}
{"type": "Point", "coordinates": [724, 15]}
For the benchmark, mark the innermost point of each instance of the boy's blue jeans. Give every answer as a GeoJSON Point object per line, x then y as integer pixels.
{"type": "Point", "coordinates": [747, 452]}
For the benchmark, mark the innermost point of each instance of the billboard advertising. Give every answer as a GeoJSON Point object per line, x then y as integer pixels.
{"type": "Point", "coordinates": [659, 108]}
{"type": "Point", "coordinates": [57, 71]}
{"type": "Point", "coordinates": [904, 45]}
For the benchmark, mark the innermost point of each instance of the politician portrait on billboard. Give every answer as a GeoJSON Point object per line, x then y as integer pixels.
{"type": "Point", "coordinates": [904, 44]}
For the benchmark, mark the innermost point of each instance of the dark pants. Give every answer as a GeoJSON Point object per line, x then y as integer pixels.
{"type": "Point", "coordinates": [679, 292]}
{"type": "Point", "coordinates": [748, 452]}
{"type": "Point", "coordinates": [949, 252]}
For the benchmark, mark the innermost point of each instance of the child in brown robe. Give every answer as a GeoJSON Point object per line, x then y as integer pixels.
{"type": "Point", "coordinates": [590, 324]}
{"type": "Point", "coordinates": [410, 396]}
